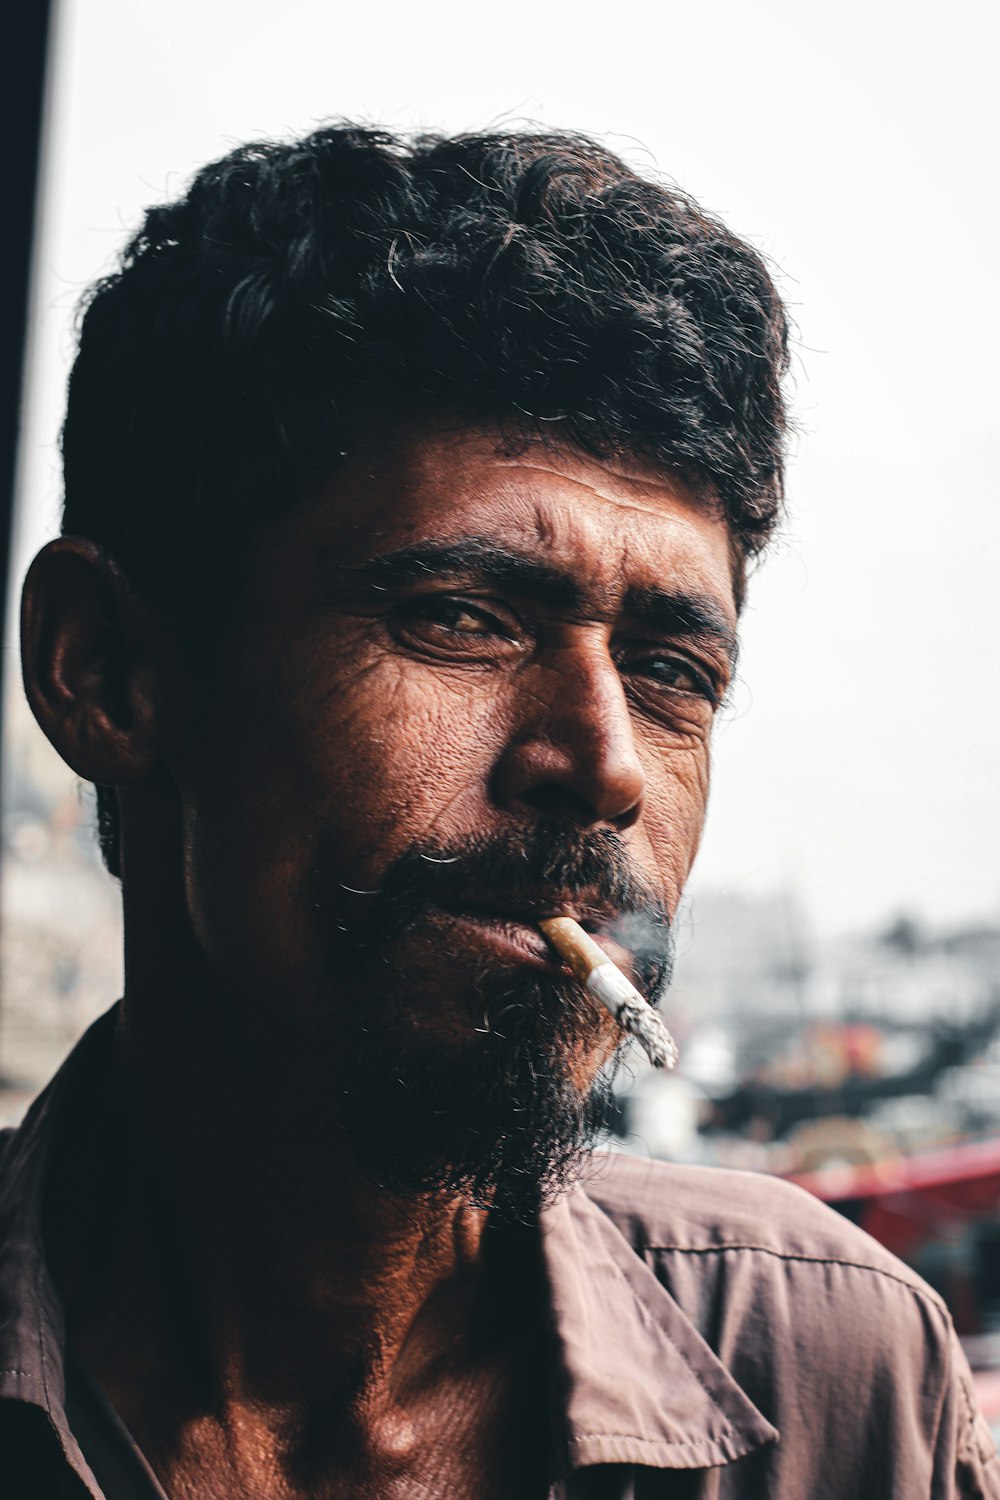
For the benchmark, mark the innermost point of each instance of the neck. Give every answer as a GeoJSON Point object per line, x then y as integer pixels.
{"type": "Point", "coordinates": [293, 1257]}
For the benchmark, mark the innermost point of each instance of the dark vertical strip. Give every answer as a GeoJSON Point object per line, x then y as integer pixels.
{"type": "Point", "coordinates": [24, 43]}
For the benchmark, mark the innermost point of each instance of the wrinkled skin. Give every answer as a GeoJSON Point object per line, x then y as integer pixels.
{"type": "Point", "coordinates": [427, 713]}
{"type": "Point", "coordinates": [344, 720]}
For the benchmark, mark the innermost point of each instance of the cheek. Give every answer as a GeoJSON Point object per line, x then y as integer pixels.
{"type": "Point", "coordinates": [388, 756]}
{"type": "Point", "coordinates": [677, 784]}
{"type": "Point", "coordinates": [418, 746]}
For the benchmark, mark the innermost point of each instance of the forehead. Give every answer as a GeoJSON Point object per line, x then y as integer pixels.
{"type": "Point", "coordinates": [609, 525]}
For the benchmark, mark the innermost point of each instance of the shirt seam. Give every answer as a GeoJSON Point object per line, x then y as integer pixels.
{"type": "Point", "coordinates": [790, 1255]}
{"type": "Point", "coordinates": [633, 1437]}
{"type": "Point", "coordinates": [42, 1362]}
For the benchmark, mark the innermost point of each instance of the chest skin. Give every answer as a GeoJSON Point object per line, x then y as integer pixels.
{"type": "Point", "coordinates": [480, 1431]}
{"type": "Point", "coordinates": [462, 1410]}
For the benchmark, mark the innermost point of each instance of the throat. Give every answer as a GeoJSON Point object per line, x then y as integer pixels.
{"type": "Point", "coordinates": [461, 1410]}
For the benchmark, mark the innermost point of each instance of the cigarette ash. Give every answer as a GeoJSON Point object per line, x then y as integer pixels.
{"type": "Point", "coordinates": [605, 981]}
{"type": "Point", "coordinates": [649, 939]}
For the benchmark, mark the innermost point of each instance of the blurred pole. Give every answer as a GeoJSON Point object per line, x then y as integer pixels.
{"type": "Point", "coordinates": [24, 40]}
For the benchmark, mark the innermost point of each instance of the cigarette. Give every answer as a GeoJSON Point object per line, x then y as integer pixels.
{"type": "Point", "coordinates": [606, 982]}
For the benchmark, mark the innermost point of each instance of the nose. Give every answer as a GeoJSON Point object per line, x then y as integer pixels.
{"type": "Point", "coordinates": [572, 751]}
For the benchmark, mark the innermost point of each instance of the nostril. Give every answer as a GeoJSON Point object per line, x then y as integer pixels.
{"type": "Point", "coordinates": [559, 801]}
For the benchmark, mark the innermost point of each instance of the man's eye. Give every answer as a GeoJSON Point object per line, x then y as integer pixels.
{"type": "Point", "coordinates": [450, 627]}
{"type": "Point", "coordinates": [457, 615]}
{"type": "Point", "coordinates": [677, 673]}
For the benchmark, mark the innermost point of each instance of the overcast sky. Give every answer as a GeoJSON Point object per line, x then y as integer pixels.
{"type": "Point", "coordinates": [856, 145]}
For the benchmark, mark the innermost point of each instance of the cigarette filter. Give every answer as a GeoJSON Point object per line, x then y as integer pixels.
{"type": "Point", "coordinates": [606, 982]}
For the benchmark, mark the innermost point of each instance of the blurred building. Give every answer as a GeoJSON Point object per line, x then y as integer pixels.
{"type": "Point", "coordinates": [60, 913]}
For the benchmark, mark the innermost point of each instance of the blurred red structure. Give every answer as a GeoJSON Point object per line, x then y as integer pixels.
{"type": "Point", "coordinates": [910, 1200]}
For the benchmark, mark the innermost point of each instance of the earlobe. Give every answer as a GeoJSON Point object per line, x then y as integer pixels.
{"type": "Point", "coordinates": [86, 662]}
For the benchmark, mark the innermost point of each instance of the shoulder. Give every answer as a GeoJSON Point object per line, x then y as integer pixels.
{"type": "Point", "coordinates": [804, 1308]}
{"type": "Point", "coordinates": [701, 1211]}
{"type": "Point", "coordinates": [740, 1252]}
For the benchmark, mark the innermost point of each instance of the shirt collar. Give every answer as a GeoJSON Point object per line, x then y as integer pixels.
{"type": "Point", "coordinates": [641, 1385]}
{"type": "Point", "coordinates": [636, 1382]}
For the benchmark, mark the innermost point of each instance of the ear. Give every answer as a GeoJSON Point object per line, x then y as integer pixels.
{"type": "Point", "coordinates": [85, 653]}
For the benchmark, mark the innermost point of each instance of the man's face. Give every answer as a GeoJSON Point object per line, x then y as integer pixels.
{"type": "Point", "coordinates": [464, 689]}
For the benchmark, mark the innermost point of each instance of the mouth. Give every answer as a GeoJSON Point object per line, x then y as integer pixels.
{"type": "Point", "coordinates": [513, 935]}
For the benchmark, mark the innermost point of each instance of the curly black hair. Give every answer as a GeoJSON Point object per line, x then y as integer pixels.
{"type": "Point", "coordinates": [527, 279]}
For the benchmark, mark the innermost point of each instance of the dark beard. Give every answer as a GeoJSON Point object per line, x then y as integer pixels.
{"type": "Point", "coordinates": [495, 1115]}
{"type": "Point", "coordinates": [501, 1123]}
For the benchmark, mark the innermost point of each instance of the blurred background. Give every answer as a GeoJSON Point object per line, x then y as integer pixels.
{"type": "Point", "coordinates": [838, 985]}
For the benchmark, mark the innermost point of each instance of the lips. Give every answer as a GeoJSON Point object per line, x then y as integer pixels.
{"type": "Point", "coordinates": [512, 929]}
{"type": "Point", "coordinates": [512, 942]}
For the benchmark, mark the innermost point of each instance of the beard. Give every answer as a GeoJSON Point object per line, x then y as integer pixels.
{"type": "Point", "coordinates": [493, 1087]}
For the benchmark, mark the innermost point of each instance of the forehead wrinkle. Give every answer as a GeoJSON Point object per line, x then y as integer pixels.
{"type": "Point", "coordinates": [566, 531]}
{"type": "Point", "coordinates": [625, 566]}
{"type": "Point", "coordinates": [662, 485]}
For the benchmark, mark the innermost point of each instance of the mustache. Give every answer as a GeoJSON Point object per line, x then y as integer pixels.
{"type": "Point", "coordinates": [520, 867]}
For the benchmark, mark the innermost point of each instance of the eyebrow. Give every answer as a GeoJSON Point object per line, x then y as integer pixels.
{"type": "Point", "coordinates": [472, 555]}
{"type": "Point", "coordinates": [665, 611]}
{"type": "Point", "coordinates": [676, 612]}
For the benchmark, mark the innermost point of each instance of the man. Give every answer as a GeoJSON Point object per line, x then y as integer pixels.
{"type": "Point", "coordinates": [410, 491]}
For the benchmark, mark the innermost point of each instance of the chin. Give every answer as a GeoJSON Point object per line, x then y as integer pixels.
{"type": "Point", "coordinates": [503, 1112]}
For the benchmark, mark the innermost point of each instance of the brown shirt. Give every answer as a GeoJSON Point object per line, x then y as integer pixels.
{"type": "Point", "coordinates": [714, 1336]}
